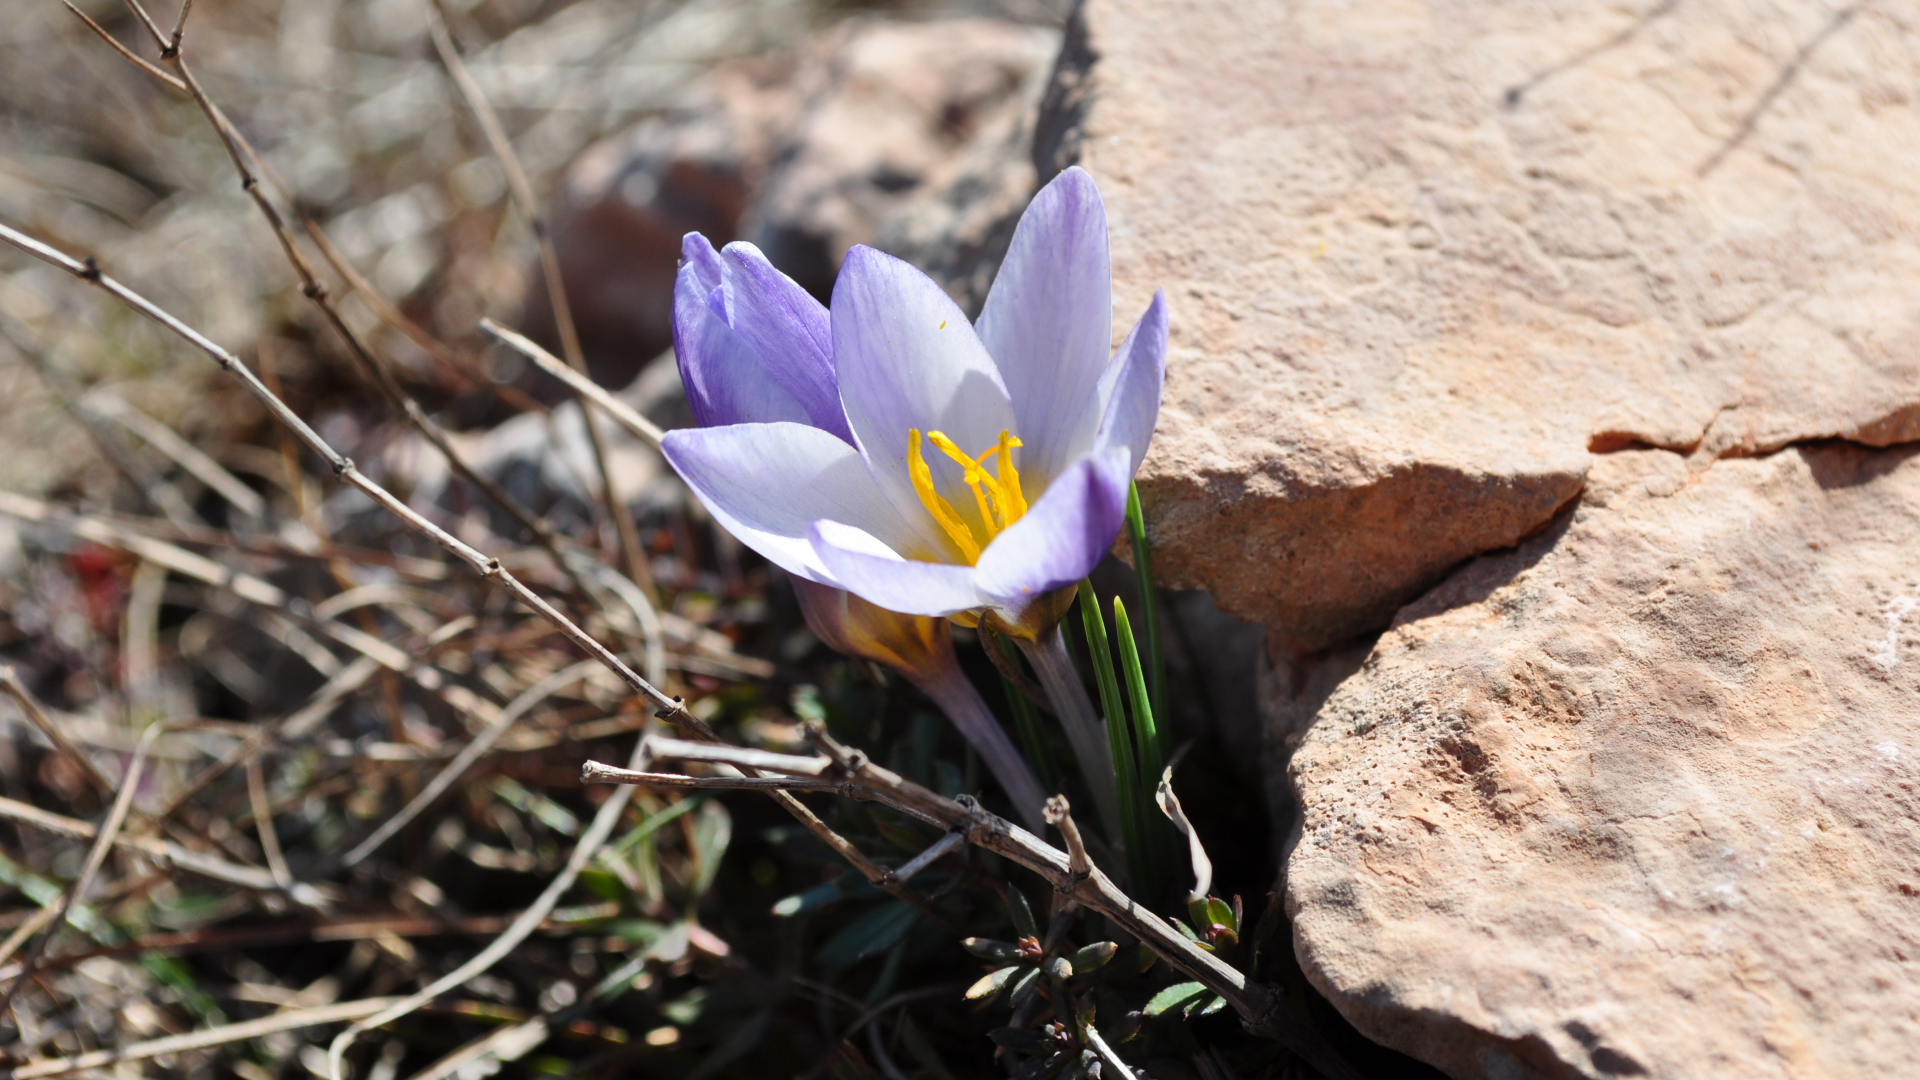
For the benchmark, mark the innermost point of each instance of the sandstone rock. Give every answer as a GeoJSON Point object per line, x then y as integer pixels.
{"type": "Point", "coordinates": [910, 136]}
{"type": "Point", "coordinates": [1641, 797]}
{"type": "Point", "coordinates": [1422, 256]}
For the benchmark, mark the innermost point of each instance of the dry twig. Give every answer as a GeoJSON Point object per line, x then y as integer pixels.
{"type": "Point", "coordinates": [1262, 1008]}
{"type": "Point", "coordinates": [523, 197]}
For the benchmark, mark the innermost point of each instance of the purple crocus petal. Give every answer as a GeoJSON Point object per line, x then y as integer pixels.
{"type": "Point", "coordinates": [1130, 388]}
{"type": "Point", "coordinates": [1048, 320]}
{"type": "Point", "coordinates": [1062, 536]}
{"type": "Point", "coordinates": [766, 483]}
{"type": "Point", "coordinates": [869, 568]}
{"type": "Point", "coordinates": [724, 380]}
{"type": "Point", "coordinates": [788, 329]}
{"type": "Point", "coordinates": [907, 358]}
{"type": "Point", "coordinates": [696, 252]}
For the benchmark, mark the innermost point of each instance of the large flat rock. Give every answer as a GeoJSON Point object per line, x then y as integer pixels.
{"type": "Point", "coordinates": [1423, 256]}
{"type": "Point", "coordinates": [1642, 796]}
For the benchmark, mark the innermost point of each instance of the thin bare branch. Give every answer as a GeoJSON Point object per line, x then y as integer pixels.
{"type": "Point", "coordinates": [1261, 1008]}
{"type": "Point", "coordinates": [248, 163]}
{"type": "Point", "coordinates": [291, 1020]}
{"type": "Point", "coordinates": [739, 756]}
{"type": "Point", "coordinates": [639, 426]}
{"type": "Point", "coordinates": [168, 853]}
{"type": "Point", "coordinates": [153, 29]}
{"type": "Point", "coordinates": [934, 853]}
{"type": "Point", "coordinates": [163, 496]}
{"type": "Point", "coordinates": [34, 924]}
{"type": "Point", "coordinates": [185, 454]}
{"type": "Point", "coordinates": [125, 52]}
{"type": "Point", "coordinates": [179, 30]}
{"type": "Point", "coordinates": [258, 591]}
{"type": "Point", "coordinates": [473, 752]}
{"type": "Point", "coordinates": [529, 920]}
{"type": "Point", "coordinates": [496, 134]}
{"type": "Point", "coordinates": [96, 857]}
{"type": "Point", "coordinates": [263, 823]}
{"type": "Point", "coordinates": [593, 772]}
{"type": "Point", "coordinates": [1060, 815]}
{"type": "Point", "coordinates": [11, 685]}
{"type": "Point", "coordinates": [343, 469]}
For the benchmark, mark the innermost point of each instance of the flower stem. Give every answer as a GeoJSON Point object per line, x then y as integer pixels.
{"type": "Point", "coordinates": [1085, 730]}
{"type": "Point", "coordinates": [962, 703]}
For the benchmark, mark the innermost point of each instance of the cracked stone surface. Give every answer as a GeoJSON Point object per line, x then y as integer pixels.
{"type": "Point", "coordinates": [1640, 797]}
{"type": "Point", "coordinates": [1422, 257]}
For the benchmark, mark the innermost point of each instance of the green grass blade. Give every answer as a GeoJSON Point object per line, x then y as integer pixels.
{"type": "Point", "coordinates": [1126, 773]}
{"type": "Point", "coordinates": [1149, 751]}
{"type": "Point", "coordinates": [1152, 750]}
{"type": "Point", "coordinates": [1149, 602]}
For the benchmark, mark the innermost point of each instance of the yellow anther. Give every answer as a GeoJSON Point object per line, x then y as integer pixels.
{"type": "Point", "coordinates": [998, 499]}
{"type": "Point", "coordinates": [1013, 504]}
{"type": "Point", "coordinates": [942, 511]}
{"type": "Point", "coordinates": [973, 475]}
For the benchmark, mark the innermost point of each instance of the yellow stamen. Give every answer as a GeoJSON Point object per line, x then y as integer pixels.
{"type": "Point", "coordinates": [999, 500]}
{"type": "Point", "coordinates": [1015, 506]}
{"type": "Point", "coordinates": [973, 476]}
{"type": "Point", "coordinates": [942, 511]}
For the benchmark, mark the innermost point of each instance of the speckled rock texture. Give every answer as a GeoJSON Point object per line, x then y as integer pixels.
{"type": "Point", "coordinates": [1640, 797]}
{"type": "Point", "coordinates": [1423, 256]}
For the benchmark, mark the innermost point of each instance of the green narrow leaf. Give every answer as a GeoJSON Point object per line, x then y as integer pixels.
{"type": "Point", "coordinates": [817, 896]}
{"type": "Point", "coordinates": [1025, 986]}
{"type": "Point", "coordinates": [1023, 923]}
{"type": "Point", "coordinates": [1173, 997]}
{"type": "Point", "coordinates": [1092, 957]}
{"type": "Point", "coordinates": [1212, 1004]}
{"type": "Point", "coordinates": [994, 952]}
{"type": "Point", "coordinates": [889, 974]}
{"type": "Point", "coordinates": [1152, 749]}
{"type": "Point", "coordinates": [871, 934]}
{"type": "Point", "coordinates": [1155, 853]}
{"type": "Point", "coordinates": [1199, 913]}
{"type": "Point", "coordinates": [1219, 911]}
{"type": "Point", "coordinates": [654, 824]}
{"type": "Point", "coordinates": [712, 832]}
{"type": "Point", "coordinates": [1126, 775]}
{"type": "Point", "coordinates": [1149, 602]}
{"type": "Point", "coordinates": [992, 983]}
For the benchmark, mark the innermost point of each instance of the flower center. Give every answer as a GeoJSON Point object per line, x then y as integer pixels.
{"type": "Point", "coordinates": [996, 496]}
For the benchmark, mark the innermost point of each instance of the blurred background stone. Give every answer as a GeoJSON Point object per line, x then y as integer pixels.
{"type": "Point", "coordinates": [908, 135]}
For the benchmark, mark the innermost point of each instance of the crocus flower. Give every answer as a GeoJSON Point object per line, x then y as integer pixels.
{"type": "Point", "coordinates": [728, 381]}
{"type": "Point", "coordinates": [933, 467]}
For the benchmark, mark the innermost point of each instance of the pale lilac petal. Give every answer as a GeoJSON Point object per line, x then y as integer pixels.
{"type": "Point", "coordinates": [767, 483]}
{"type": "Point", "coordinates": [1048, 320]}
{"type": "Point", "coordinates": [696, 252]}
{"type": "Point", "coordinates": [1062, 536]}
{"type": "Point", "coordinates": [1130, 389]}
{"type": "Point", "coordinates": [788, 329]}
{"type": "Point", "coordinates": [907, 358]}
{"type": "Point", "coordinates": [872, 570]}
{"type": "Point", "coordinates": [723, 378]}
